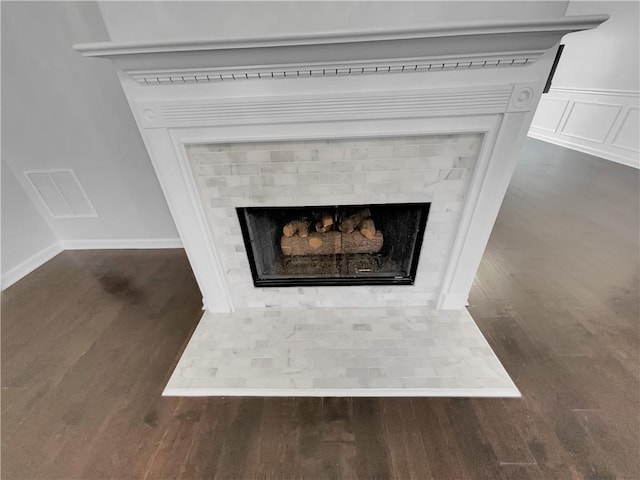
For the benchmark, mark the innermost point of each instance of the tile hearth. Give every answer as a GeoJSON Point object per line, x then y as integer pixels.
{"type": "Point", "coordinates": [409, 351]}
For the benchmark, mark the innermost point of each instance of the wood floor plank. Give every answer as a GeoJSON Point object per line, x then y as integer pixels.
{"type": "Point", "coordinates": [409, 458]}
{"type": "Point", "coordinates": [240, 444]}
{"type": "Point", "coordinates": [372, 453]}
{"type": "Point", "coordinates": [502, 433]}
{"type": "Point", "coordinates": [441, 448]}
{"type": "Point", "coordinates": [477, 454]}
{"type": "Point", "coordinates": [521, 472]}
{"type": "Point", "coordinates": [614, 446]}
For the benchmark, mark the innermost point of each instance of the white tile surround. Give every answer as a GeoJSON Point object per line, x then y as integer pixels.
{"type": "Point", "coordinates": [434, 169]}
{"type": "Point", "coordinates": [410, 351]}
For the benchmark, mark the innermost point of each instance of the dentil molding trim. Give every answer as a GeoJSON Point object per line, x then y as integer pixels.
{"type": "Point", "coordinates": [446, 47]}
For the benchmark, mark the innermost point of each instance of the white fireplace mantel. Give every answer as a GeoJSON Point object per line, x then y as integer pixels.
{"type": "Point", "coordinates": [466, 78]}
{"type": "Point", "coordinates": [470, 45]}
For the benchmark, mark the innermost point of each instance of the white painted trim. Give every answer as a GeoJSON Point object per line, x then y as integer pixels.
{"type": "Point", "coordinates": [430, 65]}
{"type": "Point", "coordinates": [344, 392]}
{"type": "Point", "coordinates": [615, 135]}
{"type": "Point", "coordinates": [488, 187]}
{"type": "Point", "coordinates": [43, 256]}
{"type": "Point", "coordinates": [578, 137]}
{"type": "Point", "coordinates": [482, 45]}
{"type": "Point", "coordinates": [165, 158]}
{"type": "Point", "coordinates": [561, 142]}
{"type": "Point", "coordinates": [470, 28]}
{"type": "Point", "coordinates": [452, 301]}
{"type": "Point", "coordinates": [117, 243]}
{"type": "Point", "coordinates": [209, 244]}
{"type": "Point", "coordinates": [549, 124]}
{"type": "Point", "coordinates": [30, 264]}
{"type": "Point", "coordinates": [317, 108]}
{"type": "Point", "coordinates": [598, 91]}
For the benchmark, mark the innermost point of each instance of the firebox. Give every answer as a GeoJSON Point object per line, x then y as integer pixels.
{"type": "Point", "coordinates": [334, 245]}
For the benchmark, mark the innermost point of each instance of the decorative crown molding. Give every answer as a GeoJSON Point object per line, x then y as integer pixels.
{"type": "Point", "coordinates": [446, 47]}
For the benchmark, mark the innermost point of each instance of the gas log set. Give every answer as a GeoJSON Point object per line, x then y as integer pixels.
{"type": "Point", "coordinates": [332, 235]}
{"type": "Point", "coordinates": [374, 244]}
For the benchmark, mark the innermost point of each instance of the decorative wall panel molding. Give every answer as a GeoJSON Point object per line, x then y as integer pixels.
{"type": "Point", "coordinates": [549, 113]}
{"type": "Point", "coordinates": [626, 137]}
{"type": "Point", "coordinates": [604, 123]}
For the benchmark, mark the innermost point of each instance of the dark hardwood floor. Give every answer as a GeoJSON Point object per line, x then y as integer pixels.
{"type": "Point", "coordinates": [90, 338]}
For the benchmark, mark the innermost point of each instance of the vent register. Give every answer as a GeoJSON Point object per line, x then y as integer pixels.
{"type": "Point", "coordinates": [61, 193]}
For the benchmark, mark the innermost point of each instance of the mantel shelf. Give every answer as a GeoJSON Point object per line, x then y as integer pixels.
{"type": "Point", "coordinates": [468, 45]}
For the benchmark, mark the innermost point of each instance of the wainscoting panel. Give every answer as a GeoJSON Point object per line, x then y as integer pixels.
{"type": "Point", "coordinates": [550, 112]}
{"type": "Point", "coordinates": [599, 122]}
{"type": "Point", "coordinates": [627, 136]}
{"type": "Point", "coordinates": [591, 122]}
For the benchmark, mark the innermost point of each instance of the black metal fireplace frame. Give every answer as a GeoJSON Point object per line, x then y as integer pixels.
{"type": "Point", "coordinates": [408, 279]}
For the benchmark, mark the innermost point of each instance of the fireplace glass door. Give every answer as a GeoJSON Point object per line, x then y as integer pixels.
{"type": "Point", "coordinates": [334, 245]}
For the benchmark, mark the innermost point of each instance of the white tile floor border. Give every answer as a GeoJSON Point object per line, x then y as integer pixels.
{"type": "Point", "coordinates": [340, 352]}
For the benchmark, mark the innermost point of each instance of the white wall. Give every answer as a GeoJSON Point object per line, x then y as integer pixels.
{"type": "Point", "coordinates": [27, 240]}
{"type": "Point", "coordinates": [61, 110]}
{"type": "Point", "coordinates": [607, 57]}
{"type": "Point", "coordinates": [153, 21]}
{"type": "Point", "coordinates": [593, 104]}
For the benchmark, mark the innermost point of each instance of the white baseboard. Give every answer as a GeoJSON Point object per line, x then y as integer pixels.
{"type": "Point", "coordinates": [127, 243]}
{"type": "Point", "coordinates": [603, 123]}
{"type": "Point", "coordinates": [30, 264]}
{"type": "Point", "coordinates": [631, 162]}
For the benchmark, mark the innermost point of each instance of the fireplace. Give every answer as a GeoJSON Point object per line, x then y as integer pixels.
{"type": "Point", "coordinates": [334, 245]}
{"type": "Point", "coordinates": [249, 135]}
{"type": "Point", "coordinates": [334, 193]}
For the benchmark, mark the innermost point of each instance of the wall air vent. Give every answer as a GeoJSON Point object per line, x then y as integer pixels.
{"type": "Point", "coordinates": [61, 193]}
